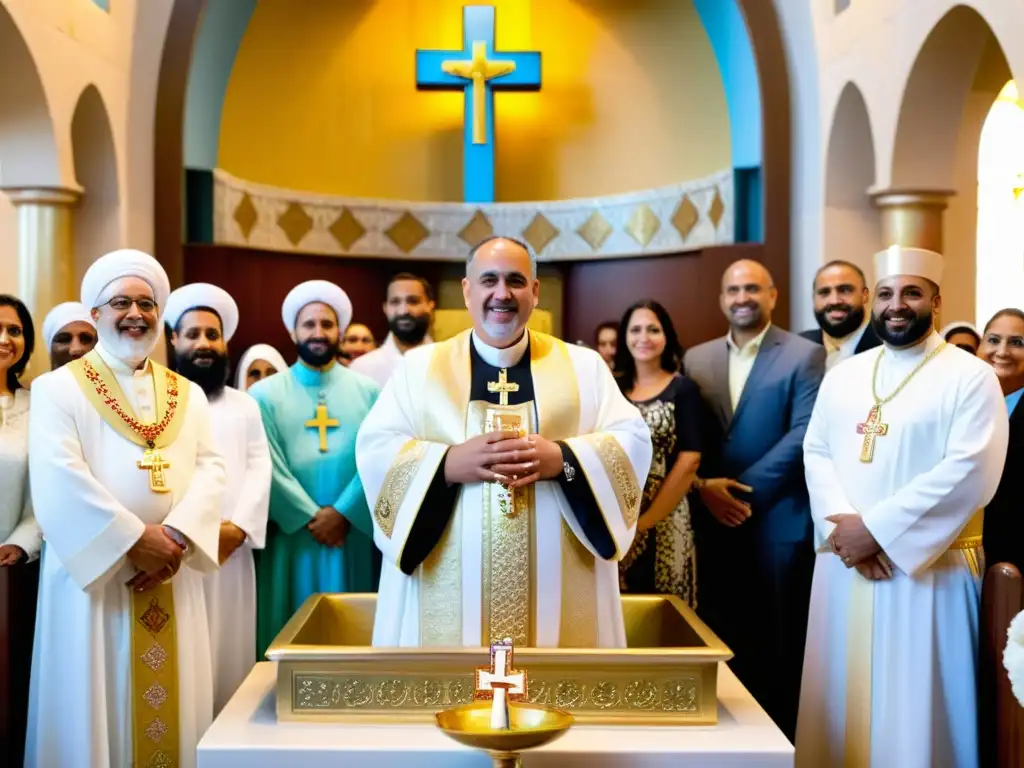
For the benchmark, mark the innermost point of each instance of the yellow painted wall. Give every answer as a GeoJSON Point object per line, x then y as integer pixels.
{"type": "Point", "coordinates": [322, 98]}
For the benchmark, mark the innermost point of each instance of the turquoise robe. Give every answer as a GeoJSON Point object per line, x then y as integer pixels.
{"type": "Point", "coordinates": [294, 565]}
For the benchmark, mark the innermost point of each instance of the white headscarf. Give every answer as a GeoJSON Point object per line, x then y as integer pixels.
{"type": "Point", "coordinates": [124, 263]}
{"type": "Point", "coordinates": [254, 353]}
{"type": "Point", "coordinates": [63, 315]}
{"type": "Point", "coordinates": [316, 291]}
{"type": "Point", "coordinates": [953, 327]}
{"type": "Point", "coordinates": [194, 295]}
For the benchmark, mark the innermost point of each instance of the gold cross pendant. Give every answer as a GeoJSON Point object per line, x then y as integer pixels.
{"type": "Point", "coordinates": [871, 429]}
{"type": "Point", "coordinates": [154, 463]}
{"type": "Point", "coordinates": [502, 386]}
{"type": "Point", "coordinates": [322, 422]}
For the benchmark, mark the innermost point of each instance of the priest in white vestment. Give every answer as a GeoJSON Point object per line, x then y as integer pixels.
{"type": "Point", "coordinates": [905, 446]}
{"type": "Point", "coordinates": [203, 318]}
{"type": "Point", "coordinates": [127, 488]}
{"type": "Point", "coordinates": [409, 308]}
{"type": "Point", "coordinates": [504, 470]}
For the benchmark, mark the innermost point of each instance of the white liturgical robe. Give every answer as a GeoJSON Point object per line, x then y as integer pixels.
{"type": "Point", "coordinates": [493, 572]}
{"type": "Point", "coordinates": [908, 644]}
{"type": "Point", "coordinates": [381, 362]}
{"type": "Point", "coordinates": [93, 503]}
{"type": "Point", "coordinates": [238, 436]}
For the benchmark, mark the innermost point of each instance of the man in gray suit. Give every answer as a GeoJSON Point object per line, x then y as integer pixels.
{"type": "Point", "coordinates": [753, 526]}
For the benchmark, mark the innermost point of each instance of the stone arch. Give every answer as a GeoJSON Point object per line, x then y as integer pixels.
{"type": "Point", "coordinates": [97, 218]}
{"type": "Point", "coordinates": [28, 147]}
{"type": "Point", "coordinates": [851, 222]}
{"type": "Point", "coordinates": [953, 82]}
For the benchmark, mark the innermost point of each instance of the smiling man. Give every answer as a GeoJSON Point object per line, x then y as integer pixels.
{"type": "Point", "coordinates": [320, 537]}
{"type": "Point", "coordinates": [753, 527]}
{"type": "Point", "coordinates": [504, 470]}
{"type": "Point", "coordinates": [409, 308]}
{"type": "Point", "coordinates": [840, 304]}
{"type": "Point", "coordinates": [126, 486]}
{"type": "Point", "coordinates": [69, 333]}
{"type": "Point", "coordinates": [902, 452]}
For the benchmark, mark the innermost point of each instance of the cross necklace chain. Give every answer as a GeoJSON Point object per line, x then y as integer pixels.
{"type": "Point", "coordinates": [873, 427]}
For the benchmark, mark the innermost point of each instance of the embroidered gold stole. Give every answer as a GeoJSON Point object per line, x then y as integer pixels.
{"type": "Point", "coordinates": [509, 546]}
{"type": "Point", "coordinates": [154, 647]}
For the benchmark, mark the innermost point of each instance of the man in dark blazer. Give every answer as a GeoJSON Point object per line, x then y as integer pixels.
{"type": "Point", "coordinates": [755, 554]}
{"type": "Point", "coordinates": [840, 307]}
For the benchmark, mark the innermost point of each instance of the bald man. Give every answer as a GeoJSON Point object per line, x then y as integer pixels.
{"type": "Point", "coordinates": [753, 525]}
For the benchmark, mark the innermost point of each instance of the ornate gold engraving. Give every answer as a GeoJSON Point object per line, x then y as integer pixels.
{"type": "Point", "coordinates": [346, 229]}
{"type": "Point", "coordinates": [159, 759]}
{"type": "Point", "coordinates": [370, 692]}
{"type": "Point", "coordinates": [295, 223]}
{"type": "Point", "coordinates": [407, 232]}
{"type": "Point", "coordinates": [396, 484]}
{"type": "Point", "coordinates": [595, 230]}
{"type": "Point", "coordinates": [620, 472]}
{"type": "Point", "coordinates": [441, 589]}
{"type": "Point", "coordinates": [686, 217]}
{"type": "Point", "coordinates": [245, 215]}
{"type": "Point", "coordinates": [155, 695]}
{"type": "Point", "coordinates": [539, 232]}
{"type": "Point", "coordinates": [154, 657]}
{"type": "Point", "coordinates": [156, 730]}
{"type": "Point", "coordinates": [477, 229]}
{"type": "Point", "coordinates": [643, 225]}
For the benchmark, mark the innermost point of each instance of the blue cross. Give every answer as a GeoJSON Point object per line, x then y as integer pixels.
{"type": "Point", "coordinates": [473, 71]}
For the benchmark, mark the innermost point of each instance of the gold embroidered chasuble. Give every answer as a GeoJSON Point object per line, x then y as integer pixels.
{"type": "Point", "coordinates": [520, 567]}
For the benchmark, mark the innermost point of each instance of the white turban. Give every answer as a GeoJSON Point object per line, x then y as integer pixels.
{"type": "Point", "coordinates": [316, 291]}
{"type": "Point", "coordinates": [124, 263]}
{"type": "Point", "coordinates": [63, 315]}
{"type": "Point", "coordinates": [897, 260]}
{"type": "Point", "coordinates": [195, 295]}
{"type": "Point", "coordinates": [254, 353]}
{"type": "Point", "coordinates": [952, 328]}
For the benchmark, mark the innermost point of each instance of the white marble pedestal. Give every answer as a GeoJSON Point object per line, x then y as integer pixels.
{"type": "Point", "coordinates": [247, 734]}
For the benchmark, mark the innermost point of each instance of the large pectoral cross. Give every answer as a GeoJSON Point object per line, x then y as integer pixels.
{"type": "Point", "coordinates": [502, 386]}
{"type": "Point", "coordinates": [155, 464]}
{"type": "Point", "coordinates": [871, 429]}
{"type": "Point", "coordinates": [501, 683]}
{"type": "Point", "coordinates": [322, 422]}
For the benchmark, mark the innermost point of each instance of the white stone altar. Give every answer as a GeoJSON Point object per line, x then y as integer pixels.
{"type": "Point", "coordinates": [247, 733]}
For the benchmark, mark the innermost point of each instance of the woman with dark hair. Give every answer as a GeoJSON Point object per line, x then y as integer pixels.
{"type": "Point", "coordinates": [1002, 347]}
{"type": "Point", "coordinates": [647, 360]}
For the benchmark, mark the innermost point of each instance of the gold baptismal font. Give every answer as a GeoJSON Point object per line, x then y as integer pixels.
{"type": "Point", "coordinates": [328, 671]}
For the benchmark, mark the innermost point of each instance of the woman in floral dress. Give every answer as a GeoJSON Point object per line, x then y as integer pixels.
{"type": "Point", "coordinates": [662, 558]}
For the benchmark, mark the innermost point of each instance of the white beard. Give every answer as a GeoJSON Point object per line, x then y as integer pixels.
{"type": "Point", "coordinates": [128, 350]}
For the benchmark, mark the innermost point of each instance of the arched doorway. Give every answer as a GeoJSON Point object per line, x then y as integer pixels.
{"type": "Point", "coordinates": [851, 225]}
{"type": "Point", "coordinates": [956, 77]}
{"type": "Point", "coordinates": [1000, 273]}
{"type": "Point", "coordinates": [98, 216]}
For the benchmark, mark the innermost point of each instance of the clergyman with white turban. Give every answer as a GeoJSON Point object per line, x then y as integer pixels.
{"type": "Point", "coordinates": [905, 446]}
{"type": "Point", "coordinates": [69, 333]}
{"type": "Point", "coordinates": [320, 538]}
{"type": "Point", "coordinates": [203, 318]}
{"type": "Point", "coordinates": [127, 487]}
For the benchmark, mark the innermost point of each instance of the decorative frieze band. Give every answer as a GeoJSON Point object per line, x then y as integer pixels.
{"type": "Point", "coordinates": [686, 216]}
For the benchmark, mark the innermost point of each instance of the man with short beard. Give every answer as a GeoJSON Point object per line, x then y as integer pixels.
{"type": "Point", "coordinates": [753, 523]}
{"type": "Point", "coordinates": [903, 451]}
{"type": "Point", "coordinates": [320, 536]}
{"type": "Point", "coordinates": [126, 486]}
{"type": "Point", "coordinates": [409, 308]}
{"type": "Point", "coordinates": [69, 333]}
{"type": "Point", "coordinates": [840, 298]}
{"type": "Point", "coordinates": [203, 318]}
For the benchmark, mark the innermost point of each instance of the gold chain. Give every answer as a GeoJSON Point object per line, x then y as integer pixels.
{"type": "Point", "coordinates": [880, 401]}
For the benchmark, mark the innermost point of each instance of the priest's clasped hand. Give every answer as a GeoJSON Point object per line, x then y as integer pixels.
{"type": "Point", "coordinates": [501, 457]}
{"type": "Point", "coordinates": [156, 556]}
{"type": "Point", "coordinates": [329, 527]}
{"type": "Point", "coordinates": [852, 540]}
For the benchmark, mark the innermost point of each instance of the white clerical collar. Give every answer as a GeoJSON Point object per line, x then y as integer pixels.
{"type": "Point", "coordinates": [501, 358]}
{"type": "Point", "coordinates": [930, 342]}
{"type": "Point", "coordinates": [120, 366]}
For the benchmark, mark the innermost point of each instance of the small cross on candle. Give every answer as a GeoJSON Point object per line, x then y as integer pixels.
{"type": "Point", "coordinates": [501, 683]}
